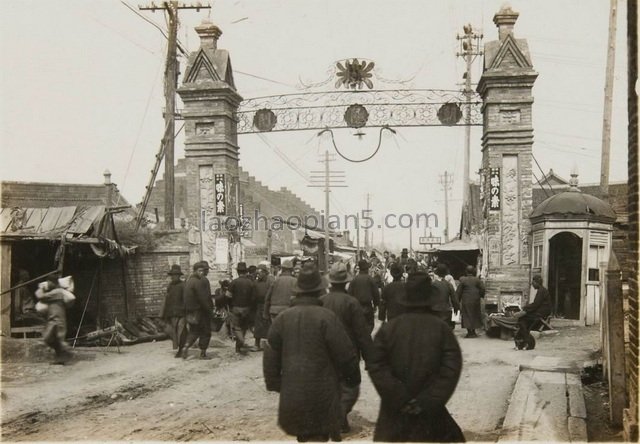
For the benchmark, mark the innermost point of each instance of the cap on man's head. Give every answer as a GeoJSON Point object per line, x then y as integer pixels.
{"type": "Point", "coordinates": [242, 267]}
{"type": "Point", "coordinates": [309, 281]}
{"type": "Point", "coordinates": [417, 290]}
{"type": "Point", "coordinates": [338, 274]}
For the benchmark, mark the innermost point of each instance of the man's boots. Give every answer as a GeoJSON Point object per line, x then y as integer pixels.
{"type": "Point", "coordinates": [203, 355]}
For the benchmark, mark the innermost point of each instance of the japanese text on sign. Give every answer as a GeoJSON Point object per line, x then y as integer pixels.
{"type": "Point", "coordinates": [221, 195]}
{"type": "Point", "coordinates": [494, 189]}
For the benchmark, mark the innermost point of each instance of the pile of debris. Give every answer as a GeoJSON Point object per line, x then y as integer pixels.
{"type": "Point", "coordinates": [126, 332]}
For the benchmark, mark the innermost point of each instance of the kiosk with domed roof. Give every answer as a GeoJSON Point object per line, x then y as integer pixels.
{"type": "Point", "coordinates": [571, 244]}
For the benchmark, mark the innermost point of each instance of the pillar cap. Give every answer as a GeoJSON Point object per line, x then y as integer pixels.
{"type": "Point", "coordinates": [209, 33]}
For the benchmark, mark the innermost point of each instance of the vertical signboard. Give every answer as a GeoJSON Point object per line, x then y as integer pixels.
{"type": "Point", "coordinates": [221, 195]}
{"type": "Point", "coordinates": [494, 189]}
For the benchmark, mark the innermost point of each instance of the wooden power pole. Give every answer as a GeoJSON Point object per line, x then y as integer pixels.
{"type": "Point", "coordinates": [446, 180]}
{"type": "Point", "coordinates": [170, 84]}
{"type": "Point", "coordinates": [470, 48]}
{"type": "Point", "coordinates": [608, 100]}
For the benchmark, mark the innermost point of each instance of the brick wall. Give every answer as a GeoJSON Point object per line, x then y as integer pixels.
{"type": "Point", "coordinates": [146, 279]}
{"type": "Point", "coordinates": [631, 415]}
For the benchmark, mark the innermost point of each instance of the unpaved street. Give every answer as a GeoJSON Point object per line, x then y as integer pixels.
{"type": "Point", "coordinates": [144, 393]}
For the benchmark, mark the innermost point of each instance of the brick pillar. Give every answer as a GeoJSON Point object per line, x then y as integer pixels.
{"type": "Point", "coordinates": [507, 140]}
{"type": "Point", "coordinates": [211, 144]}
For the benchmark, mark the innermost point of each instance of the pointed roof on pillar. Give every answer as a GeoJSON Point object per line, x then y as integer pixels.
{"type": "Point", "coordinates": [507, 53]}
{"type": "Point", "coordinates": [209, 65]}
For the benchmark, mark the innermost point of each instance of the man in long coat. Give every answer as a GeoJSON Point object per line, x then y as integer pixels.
{"type": "Point", "coordinates": [470, 292]}
{"type": "Point", "coordinates": [198, 306]}
{"type": "Point", "coordinates": [261, 323]}
{"type": "Point", "coordinates": [279, 295]}
{"type": "Point", "coordinates": [415, 367]}
{"type": "Point", "coordinates": [173, 311]}
{"type": "Point", "coordinates": [350, 313]}
{"type": "Point", "coordinates": [365, 290]}
{"type": "Point", "coordinates": [389, 307]}
{"type": "Point", "coordinates": [444, 299]}
{"type": "Point", "coordinates": [307, 356]}
{"type": "Point", "coordinates": [243, 304]}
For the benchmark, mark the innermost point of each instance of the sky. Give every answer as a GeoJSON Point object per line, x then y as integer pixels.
{"type": "Point", "coordinates": [81, 92]}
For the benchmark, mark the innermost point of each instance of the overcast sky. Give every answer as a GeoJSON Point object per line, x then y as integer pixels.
{"type": "Point", "coordinates": [81, 91]}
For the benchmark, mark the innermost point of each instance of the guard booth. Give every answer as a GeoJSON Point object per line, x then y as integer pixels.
{"type": "Point", "coordinates": [571, 244]}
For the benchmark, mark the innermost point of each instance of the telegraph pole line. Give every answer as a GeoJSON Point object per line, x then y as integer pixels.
{"type": "Point", "coordinates": [327, 179]}
{"type": "Point", "coordinates": [170, 84]}
{"type": "Point", "coordinates": [446, 180]}
{"type": "Point", "coordinates": [470, 49]}
{"type": "Point", "coordinates": [608, 100]}
{"type": "Point", "coordinates": [366, 230]}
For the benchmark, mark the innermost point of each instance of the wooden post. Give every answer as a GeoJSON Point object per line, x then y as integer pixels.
{"type": "Point", "coordinates": [5, 283]}
{"type": "Point", "coordinates": [615, 342]}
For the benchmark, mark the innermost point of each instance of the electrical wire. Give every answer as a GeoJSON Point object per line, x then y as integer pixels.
{"type": "Point", "coordinates": [544, 176]}
{"type": "Point", "coordinates": [135, 144]}
{"type": "Point", "coordinates": [333, 141]}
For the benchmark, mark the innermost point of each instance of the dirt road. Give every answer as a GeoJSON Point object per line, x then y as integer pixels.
{"type": "Point", "coordinates": [144, 393]}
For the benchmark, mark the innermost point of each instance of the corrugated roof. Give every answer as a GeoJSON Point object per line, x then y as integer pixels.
{"type": "Point", "coordinates": [48, 223]}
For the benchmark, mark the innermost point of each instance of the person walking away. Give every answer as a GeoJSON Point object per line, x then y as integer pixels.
{"type": "Point", "coordinates": [365, 290]}
{"type": "Point", "coordinates": [279, 295]}
{"type": "Point", "coordinates": [350, 313]}
{"type": "Point", "coordinates": [449, 278]}
{"type": "Point", "coordinates": [415, 378]}
{"type": "Point", "coordinates": [54, 300]}
{"type": "Point", "coordinates": [470, 293]}
{"type": "Point", "coordinates": [243, 301]}
{"type": "Point", "coordinates": [444, 299]}
{"type": "Point", "coordinates": [391, 293]}
{"type": "Point", "coordinates": [173, 310]}
{"type": "Point", "coordinates": [540, 308]}
{"type": "Point", "coordinates": [221, 301]}
{"type": "Point", "coordinates": [198, 309]}
{"type": "Point", "coordinates": [307, 354]}
{"type": "Point", "coordinates": [264, 281]}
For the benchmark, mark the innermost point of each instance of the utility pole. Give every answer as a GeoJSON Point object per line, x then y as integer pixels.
{"type": "Point", "coordinates": [470, 49]}
{"type": "Point", "coordinates": [608, 100]}
{"type": "Point", "coordinates": [446, 180]}
{"type": "Point", "coordinates": [366, 230]}
{"type": "Point", "coordinates": [327, 179]}
{"type": "Point", "coordinates": [170, 84]}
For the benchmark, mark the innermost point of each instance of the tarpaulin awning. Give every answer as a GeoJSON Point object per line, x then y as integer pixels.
{"type": "Point", "coordinates": [460, 245]}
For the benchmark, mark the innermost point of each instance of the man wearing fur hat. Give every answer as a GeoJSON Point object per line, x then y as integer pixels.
{"type": "Point", "coordinates": [307, 356]}
{"type": "Point", "coordinates": [173, 311]}
{"type": "Point", "coordinates": [350, 313]}
{"type": "Point", "coordinates": [243, 302]}
{"type": "Point", "coordinates": [415, 378]}
{"type": "Point", "coordinates": [199, 309]}
{"type": "Point", "coordinates": [365, 290]}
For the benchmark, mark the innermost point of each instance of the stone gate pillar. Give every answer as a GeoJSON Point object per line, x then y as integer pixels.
{"type": "Point", "coordinates": [507, 140]}
{"type": "Point", "coordinates": [211, 149]}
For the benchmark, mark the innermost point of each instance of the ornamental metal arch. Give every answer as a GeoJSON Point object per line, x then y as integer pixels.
{"type": "Point", "coordinates": [357, 109]}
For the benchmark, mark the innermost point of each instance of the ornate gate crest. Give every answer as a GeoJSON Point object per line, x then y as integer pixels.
{"type": "Point", "coordinates": [354, 74]}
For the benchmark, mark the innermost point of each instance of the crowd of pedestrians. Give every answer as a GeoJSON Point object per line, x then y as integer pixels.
{"type": "Point", "coordinates": [315, 331]}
